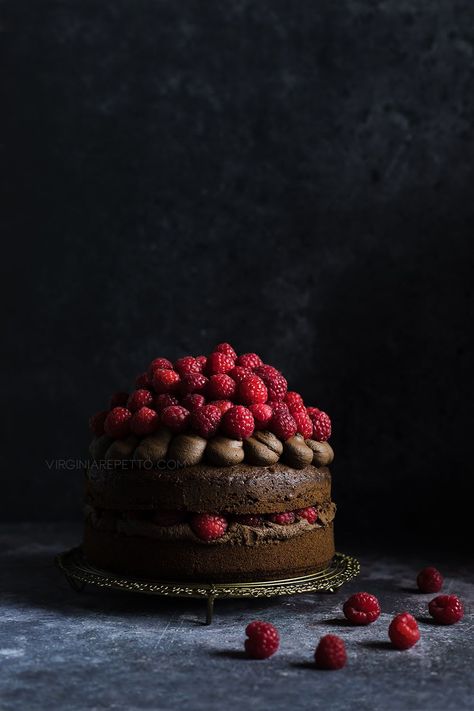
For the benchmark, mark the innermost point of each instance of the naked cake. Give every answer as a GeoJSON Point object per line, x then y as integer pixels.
{"type": "Point", "coordinates": [210, 470]}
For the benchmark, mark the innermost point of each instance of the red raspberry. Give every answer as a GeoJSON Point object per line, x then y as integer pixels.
{"type": "Point", "coordinates": [330, 652]}
{"type": "Point", "coordinates": [219, 363]}
{"type": "Point", "coordinates": [165, 400]}
{"type": "Point", "coordinates": [429, 580]}
{"type": "Point", "coordinates": [168, 518]}
{"type": "Point", "coordinates": [96, 422]}
{"type": "Point", "coordinates": [309, 513]}
{"type": "Point", "coordinates": [205, 420]}
{"type": "Point", "coordinates": [403, 631]}
{"type": "Point", "coordinates": [118, 399]}
{"type": "Point", "coordinates": [262, 640]}
{"type": "Point", "coordinates": [274, 380]}
{"type": "Point", "coordinates": [202, 360]}
{"type": "Point", "coordinates": [208, 527]}
{"type": "Point", "coordinates": [238, 422]}
{"type": "Point", "coordinates": [294, 401]}
{"type": "Point", "coordinates": [283, 425]}
{"type": "Point", "coordinates": [361, 608]}
{"type": "Point", "coordinates": [142, 381]}
{"type": "Point", "coordinates": [238, 373]}
{"type": "Point", "coordinates": [284, 518]}
{"type": "Point", "coordinates": [267, 370]}
{"type": "Point", "coordinates": [220, 387]}
{"type": "Point", "coordinates": [303, 423]}
{"type": "Point", "coordinates": [192, 401]}
{"type": "Point", "coordinates": [446, 609]}
{"type": "Point", "coordinates": [278, 406]}
{"type": "Point", "coordinates": [252, 390]}
{"type": "Point", "coordinates": [117, 423]}
{"type": "Point", "coordinates": [223, 405]}
{"type": "Point", "coordinates": [144, 421]}
{"type": "Point", "coordinates": [227, 349]}
{"type": "Point", "coordinates": [139, 398]}
{"type": "Point", "coordinates": [188, 364]}
{"type": "Point", "coordinates": [321, 424]}
{"type": "Point", "coordinates": [175, 417]}
{"type": "Point", "coordinates": [249, 360]}
{"type": "Point", "coordinates": [262, 414]}
{"type": "Point", "coordinates": [193, 382]}
{"type": "Point", "coordinates": [159, 364]}
{"type": "Point", "coordinates": [250, 520]}
{"type": "Point", "coordinates": [165, 380]}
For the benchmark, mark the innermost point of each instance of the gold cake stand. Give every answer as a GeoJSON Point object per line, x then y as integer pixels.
{"type": "Point", "coordinates": [79, 572]}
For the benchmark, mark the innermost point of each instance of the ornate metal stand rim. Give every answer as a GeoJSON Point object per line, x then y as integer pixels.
{"type": "Point", "coordinates": [79, 572]}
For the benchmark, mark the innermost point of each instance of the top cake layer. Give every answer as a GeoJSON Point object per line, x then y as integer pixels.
{"type": "Point", "coordinates": [244, 489]}
{"type": "Point", "coordinates": [222, 409]}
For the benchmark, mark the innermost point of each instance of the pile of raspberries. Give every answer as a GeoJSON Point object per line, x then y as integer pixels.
{"type": "Point", "coordinates": [362, 608]}
{"type": "Point", "coordinates": [221, 393]}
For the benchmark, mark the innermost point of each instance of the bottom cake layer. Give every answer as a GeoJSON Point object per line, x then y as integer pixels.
{"type": "Point", "coordinates": [191, 561]}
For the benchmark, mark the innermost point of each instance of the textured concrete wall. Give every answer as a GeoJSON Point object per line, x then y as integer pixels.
{"type": "Point", "coordinates": [294, 177]}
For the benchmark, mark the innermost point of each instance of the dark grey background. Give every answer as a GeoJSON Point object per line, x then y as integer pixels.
{"type": "Point", "coordinates": [296, 178]}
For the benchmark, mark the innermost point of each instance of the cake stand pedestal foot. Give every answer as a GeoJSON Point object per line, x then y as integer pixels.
{"type": "Point", "coordinates": [77, 585]}
{"type": "Point", "coordinates": [210, 609]}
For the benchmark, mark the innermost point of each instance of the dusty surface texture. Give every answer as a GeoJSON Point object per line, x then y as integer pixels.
{"type": "Point", "coordinates": [100, 650]}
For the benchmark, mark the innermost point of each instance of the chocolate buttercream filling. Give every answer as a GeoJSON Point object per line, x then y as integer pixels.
{"type": "Point", "coordinates": [236, 534]}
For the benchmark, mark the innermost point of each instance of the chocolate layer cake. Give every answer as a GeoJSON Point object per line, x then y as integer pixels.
{"type": "Point", "coordinates": [220, 477]}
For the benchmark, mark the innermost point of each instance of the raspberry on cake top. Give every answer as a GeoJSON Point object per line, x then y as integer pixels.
{"type": "Point", "coordinates": [222, 409]}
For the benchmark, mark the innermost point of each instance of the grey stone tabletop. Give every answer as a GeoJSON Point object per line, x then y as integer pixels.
{"type": "Point", "coordinates": [110, 650]}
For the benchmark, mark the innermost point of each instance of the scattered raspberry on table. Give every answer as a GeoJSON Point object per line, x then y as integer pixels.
{"type": "Point", "coordinates": [429, 580]}
{"type": "Point", "coordinates": [446, 609]}
{"type": "Point", "coordinates": [330, 652]}
{"type": "Point", "coordinates": [361, 608]}
{"type": "Point", "coordinates": [403, 631]}
{"type": "Point", "coordinates": [262, 640]}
